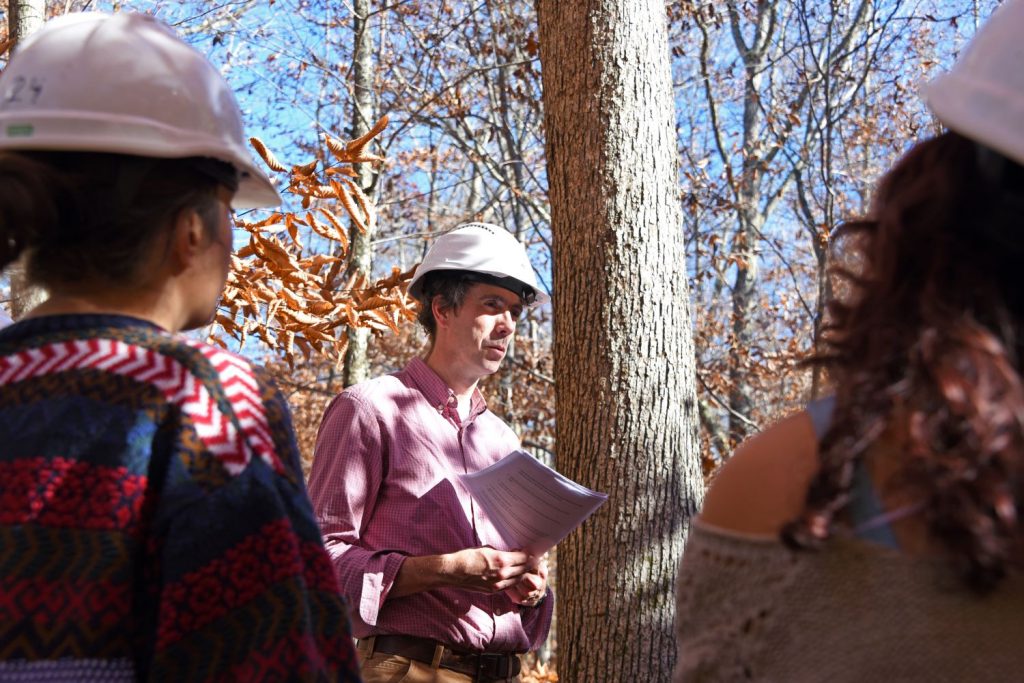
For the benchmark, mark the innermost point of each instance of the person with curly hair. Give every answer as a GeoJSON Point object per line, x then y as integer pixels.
{"type": "Point", "coordinates": [877, 535]}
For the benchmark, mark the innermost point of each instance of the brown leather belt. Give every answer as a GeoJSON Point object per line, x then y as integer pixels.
{"type": "Point", "coordinates": [481, 665]}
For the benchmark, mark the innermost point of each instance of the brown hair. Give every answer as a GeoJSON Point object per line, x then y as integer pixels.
{"type": "Point", "coordinates": [84, 216]}
{"type": "Point", "coordinates": [930, 330]}
{"type": "Point", "coordinates": [452, 286]}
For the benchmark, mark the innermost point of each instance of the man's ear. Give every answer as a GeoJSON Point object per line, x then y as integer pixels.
{"type": "Point", "coordinates": [187, 238]}
{"type": "Point", "coordinates": [440, 311]}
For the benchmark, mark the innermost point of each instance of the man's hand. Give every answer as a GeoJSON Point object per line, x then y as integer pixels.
{"type": "Point", "coordinates": [483, 569]}
{"type": "Point", "coordinates": [488, 570]}
{"type": "Point", "coordinates": [531, 587]}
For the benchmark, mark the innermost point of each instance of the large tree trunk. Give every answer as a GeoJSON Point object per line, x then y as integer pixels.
{"type": "Point", "coordinates": [357, 364]}
{"type": "Point", "coordinates": [23, 17]}
{"type": "Point", "coordinates": [626, 401]}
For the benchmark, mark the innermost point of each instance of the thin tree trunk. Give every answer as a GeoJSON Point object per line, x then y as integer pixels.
{"type": "Point", "coordinates": [357, 365]}
{"type": "Point", "coordinates": [23, 18]}
{"type": "Point", "coordinates": [625, 394]}
{"type": "Point", "coordinates": [750, 217]}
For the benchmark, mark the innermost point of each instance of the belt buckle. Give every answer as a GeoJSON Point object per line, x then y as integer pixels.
{"type": "Point", "coordinates": [493, 665]}
{"type": "Point", "coordinates": [504, 666]}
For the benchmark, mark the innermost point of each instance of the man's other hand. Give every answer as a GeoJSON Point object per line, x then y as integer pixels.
{"type": "Point", "coordinates": [531, 587]}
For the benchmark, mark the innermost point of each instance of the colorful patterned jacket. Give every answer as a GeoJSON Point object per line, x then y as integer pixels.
{"type": "Point", "coordinates": [154, 524]}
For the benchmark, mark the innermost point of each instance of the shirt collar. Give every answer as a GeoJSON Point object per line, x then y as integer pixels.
{"type": "Point", "coordinates": [438, 393]}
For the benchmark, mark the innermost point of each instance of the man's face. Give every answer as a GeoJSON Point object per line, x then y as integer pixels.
{"type": "Point", "coordinates": [478, 333]}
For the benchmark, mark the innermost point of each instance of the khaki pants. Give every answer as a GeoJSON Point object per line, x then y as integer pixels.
{"type": "Point", "coordinates": [380, 667]}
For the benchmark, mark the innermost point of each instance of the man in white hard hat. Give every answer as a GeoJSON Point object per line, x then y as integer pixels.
{"type": "Point", "coordinates": [432, 587]}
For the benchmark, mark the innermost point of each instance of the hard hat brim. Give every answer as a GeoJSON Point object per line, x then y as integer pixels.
{"type": "Point", "coordinates": [76, 131]}
{"type": "Point", "coordinates": [416, 284]}
{"type": "Point", "coordinates": [980, 111]}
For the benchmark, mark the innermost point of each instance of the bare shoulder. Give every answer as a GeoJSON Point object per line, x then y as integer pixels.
{"type": "Point", "coordinates": [764, 484]}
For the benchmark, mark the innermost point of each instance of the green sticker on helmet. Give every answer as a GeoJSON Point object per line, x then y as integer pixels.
{"type": "Point", "coordinates": [20, 130]}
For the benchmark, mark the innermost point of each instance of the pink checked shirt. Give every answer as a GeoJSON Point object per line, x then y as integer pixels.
{"type": "Point", "coordinates": [385, 486]}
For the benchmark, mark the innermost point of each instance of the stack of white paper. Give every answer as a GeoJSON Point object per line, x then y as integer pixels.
{"type": "Point", "coordinates": [532, 506]}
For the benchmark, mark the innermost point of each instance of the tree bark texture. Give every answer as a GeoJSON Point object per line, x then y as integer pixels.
{"type": "Point", "coordinates": [23, 18]}
{"type": "Point", "coordinates": [357, 364]}
{"type": "Point", "coordinates": [625, 382]}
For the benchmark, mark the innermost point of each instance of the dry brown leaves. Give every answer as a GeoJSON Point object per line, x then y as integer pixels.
{"type": "Point", "coordinates": [538, 673]}
{"type": "Point", "coordinates": [295, 301]}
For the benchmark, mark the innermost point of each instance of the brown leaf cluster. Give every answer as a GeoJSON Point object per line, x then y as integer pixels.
{"type": "Point", "coordinates": [298, 301]}
{"type": "Point", "coordinates": [539, 673]}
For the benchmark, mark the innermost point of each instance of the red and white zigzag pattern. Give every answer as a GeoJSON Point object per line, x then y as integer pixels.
{"type": "Point", "coordinates": [233, 447]}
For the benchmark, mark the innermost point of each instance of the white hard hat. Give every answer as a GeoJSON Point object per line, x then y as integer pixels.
{"type": "Point", "coordinates": [480, 248]}
{"type": "Point", "coordinates": [982, 96]}
{"type": "Point", "coordinates": [124, 84]}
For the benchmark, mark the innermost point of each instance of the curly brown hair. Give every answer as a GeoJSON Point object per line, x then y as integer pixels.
{"type": "Point", "coordinates": [929, 330]}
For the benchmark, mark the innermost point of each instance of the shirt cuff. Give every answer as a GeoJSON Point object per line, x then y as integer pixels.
{"type": "Point", "coordinates": [537, 619]}
{"type": "Point", "coordinates": [376, 586]}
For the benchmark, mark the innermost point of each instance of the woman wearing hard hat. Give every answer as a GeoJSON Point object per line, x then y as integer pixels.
{"type": "Point", "coordinates": [877, 535]}
{"type": "Point", "coordinates": [153, 518]}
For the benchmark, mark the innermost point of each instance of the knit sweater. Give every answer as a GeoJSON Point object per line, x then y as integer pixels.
{"type": "Point", "coordinates": [154, 524]}
{"type": "Point", "coordinates": [749, 609]}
